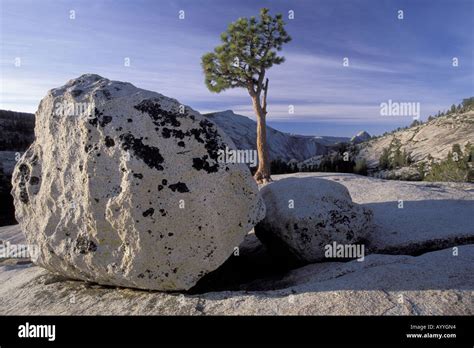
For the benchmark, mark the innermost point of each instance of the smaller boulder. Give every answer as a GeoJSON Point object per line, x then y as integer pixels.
{"type": "Point", "coordinates": [304, 215]}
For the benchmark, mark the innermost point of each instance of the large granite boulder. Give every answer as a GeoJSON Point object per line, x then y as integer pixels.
{"type": "Point", "coordinates": [123, 186]}
{"type": "Point", "coordinates": [306, 215]}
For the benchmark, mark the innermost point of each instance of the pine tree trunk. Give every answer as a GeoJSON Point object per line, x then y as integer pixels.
{"type": "Point", "coordinates": [263, 171]}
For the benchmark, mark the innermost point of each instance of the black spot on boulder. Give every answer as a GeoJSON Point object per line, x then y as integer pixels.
{"type": "Point", "coordinates": [203, 164]}
{"type": "Point", "coordinates": [83, 245]}
{"type": "Point", "coordinates": [109, 142]}
{"type": "Point", "coordinates": [99, 119]}
{"type": "Point", "coordinates": [148, 212]}
{"type": "Point", "coordinates": [159, 116]}
{"type": "Point", "coordinates": [105, 121]}
{"type": "Point", "coordinates": [208, 135]}
{"type": "Point", "coordinates": [24, 178]}
{"type": "Point", "coordinates": [148, 154]}
{"type": "Point", "coordinates": [180, 187]}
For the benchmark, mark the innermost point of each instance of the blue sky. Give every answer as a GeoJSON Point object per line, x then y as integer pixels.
{"type": "Point", "coordinates": [407, 60]}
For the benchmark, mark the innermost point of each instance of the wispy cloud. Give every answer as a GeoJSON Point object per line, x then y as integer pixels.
{"type": "Point", "coordinates": [388, 59]}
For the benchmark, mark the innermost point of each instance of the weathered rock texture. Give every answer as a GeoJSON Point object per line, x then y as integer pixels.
{"type": "Point", "coordinates": [306, 214]}
{"type": "Point", "coordinates": [128, 190]}
{"type": "Point", "coordinates": [435, 283]}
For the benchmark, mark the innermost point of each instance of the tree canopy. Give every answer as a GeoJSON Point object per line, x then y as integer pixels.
{"type": "Point", "coordinates": [249, 47]}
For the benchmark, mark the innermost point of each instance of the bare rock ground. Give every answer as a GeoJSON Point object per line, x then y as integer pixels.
{"type": "Point", "coordinates": [435, 225]}
{"type": "Point", "coordinates": [435, 283]}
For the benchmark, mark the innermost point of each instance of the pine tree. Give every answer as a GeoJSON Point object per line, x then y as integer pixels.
{"type": "Point", "coordinates": [468, 103]}
{"type": "Point", "coordinates": [453, 109]}
{"type": "Point", "coordinates": [384, 160]}
{"type": "Point", "coordinates": [249, 48]}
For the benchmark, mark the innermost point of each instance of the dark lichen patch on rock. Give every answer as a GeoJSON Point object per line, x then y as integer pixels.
{"type": "Point", "coordinates": [99, 119]}
{"type": "Point", "coordinates": [179, 186]}
{"type": "Point", "coordinates": [159, 116]}
{"type": "Point", "coordinates": [148, 212]}
{"type": "Point", "coordinates": [105, 120]}
{"type": "Point", "coordinates": [83, 245]}
{"type": "Point", "coordinates": [203, 164]}
{"type": "Point", "coordinates": [24, 178]}
{"type": "Point", "coordinates": [208, 135]}
{"type": "Point", "coordinates": [175, 133]}
{"type": "Point", "coordinates": [109, 142]}
{"type": "Point", "coordinates": [148, 154]}
{"type": "Point", "coordinates": [212, 139]}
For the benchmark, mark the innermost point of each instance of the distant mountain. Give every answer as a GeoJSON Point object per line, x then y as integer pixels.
{"type": "Point", "coordinates": [283, 146]}
{"type": "Point", "coordinates": [16, 134]}
{"type": "Point", "coordinates": [434, 138]}
{"type": "Point", "coordinates": [16, 130]}
{"type": "Point", "coordinates": [419, 147]}
{"type": "Point", "coordinates": [360, 137]}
